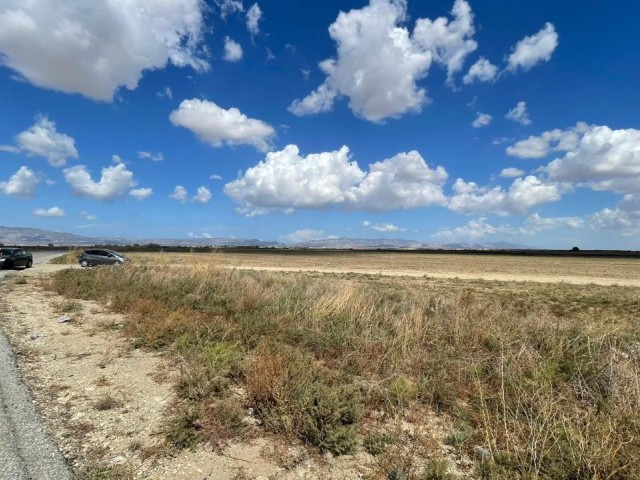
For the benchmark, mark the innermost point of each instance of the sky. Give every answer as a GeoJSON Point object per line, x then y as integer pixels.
{"type": "Point", "coordinates": [442, 121]}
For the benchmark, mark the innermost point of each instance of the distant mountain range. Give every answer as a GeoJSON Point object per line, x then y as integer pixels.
{"type": "Point", "coordinates": [36, 237]}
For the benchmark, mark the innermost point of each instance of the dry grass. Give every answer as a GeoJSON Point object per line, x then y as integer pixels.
{"type": "Point", "coordinates": [544, 377]}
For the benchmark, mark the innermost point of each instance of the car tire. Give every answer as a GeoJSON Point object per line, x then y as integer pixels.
{"type": "Point", "coordinates": [84, 263]}
{"type": "Point", "coordinates": [30, 264]}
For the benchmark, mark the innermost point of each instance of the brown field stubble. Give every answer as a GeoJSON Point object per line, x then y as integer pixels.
{"type": "Point", "coordinates": [544, 377]}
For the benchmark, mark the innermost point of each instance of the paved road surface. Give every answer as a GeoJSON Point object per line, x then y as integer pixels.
{"type": "Point", "coordinates": [26, 450]}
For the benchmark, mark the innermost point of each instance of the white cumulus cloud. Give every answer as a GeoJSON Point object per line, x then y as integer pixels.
{"type": "Point", "coordinates": [203, 195]}
{"type": "Point", "coordinates": [232, 50]}
{"type": "Point", "coordinates": [114, 182]}
{"type": "Point", "coordinates": [379, 62]}
{"type": "Point", "coordinates": [482, 71]}
{"type": "Point", "coordinates": [217, 126]}
{"type": "Point", "coordinates": [141, 193]}
{"type": "Point", "coordinates": [254, 15]}
{"type": "Point", "coordinates": [533, 49]}
{"type": "Point", "coordinates": [511, 172]}
{"type": "Point", "coordinates": [43, 140]}
{"type": "Point", "coordinates": [523, 194]}
{"type": "Point", "coordinates": [285, 180]}
{"type": "Point", "coordinates": [482, 120]}
{"type": "Point", "coordinates": [49, 212]}
{"type": "Point", "coordinates": [551, 141]}
{"type": "Point", "coordinates": [21, 184]}
{"type": "Point", "coordinates": [519, 114]}
{"type": "Point", "coordinates": [383, 227]}
{"type": "Point", "coordinates": [179, 194]}
{"type": "Point", "coordinates": [601, 158]}
{"type": "Point", "coordinates": [73, 48]}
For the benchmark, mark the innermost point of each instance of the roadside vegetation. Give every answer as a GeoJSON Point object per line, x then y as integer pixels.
{"type": "Point", "coordinates": [530, 381]}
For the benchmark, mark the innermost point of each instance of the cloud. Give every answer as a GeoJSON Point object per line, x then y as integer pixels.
{"type": "Point", "coordinates": [538, 223]}
{"type": "Point", "coordinates": [116, 158]}
{"type": "Point", "coordinates": [43, 140]}
{"type": "Point", "coordinates": [157, 157]}
{"type": "Point", "coordinates": [179, 194]}
{"type": "Point", "coordinates": [215, 177]}
{"type": "Point", "coordinates": [532, 50]}
{"type": "Point", "coordinates": [21, 184]}
{"type": "Point", "coordinates": [232, 50]}
{"type": "Point", "coordinates": [114, 182]}
{"type": "Point", "coordinates": [166, 92]}
{"type": "Point", "coordinates": [523, 194]}
{"type": "Point", "coordinates": [254, 14]}
{"type": "Point", "coordinates": [534, 224]}
{"type": "Point", "coordinates": [49, 212]}
{"type": "Point", "coordinates": [482, 71]}
{"type": "Point", "coordinates": [519, 114]}
{"type": "Point", "coordinates": [217, 126]}
{"type": "Point", "coordinates": [383, 227]}
{"type": "Point", "coordinates": [94, 51]}
{"type": "Point", "coordinates": [141, 193]}
{"type": "Point", "coordinates": [87, 216]}
{"type": "Point", "coordinates": [379, 62]}
{"type": "Point", "coordinates": [482, 120]}
{"type": "Point", "coordinates": [450, 42]}
{"type": "Point", "coordinates": [474, 229]}
{"type": "Point", "coordinates": [229, 6]}
{"type": "Point", "coordinates": [600, 158]}
{"type": "Point", "coordinates": [552, 141]}
{"type": "Point", "coordinates": [285, 179]}
{"type": "Point", "coordinates": [203, 195]}
{"type": "Point", "coordinates": [616, 220]}
{"type": "Point", "coordinates": [511, 172]}
{"type": "Point", "coordinates": [304, 235]}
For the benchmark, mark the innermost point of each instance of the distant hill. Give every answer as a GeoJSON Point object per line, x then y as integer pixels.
{"type": "Point", "coordinates": [400, 244]}
{"type": "Point", "coordinates": [35, 237]}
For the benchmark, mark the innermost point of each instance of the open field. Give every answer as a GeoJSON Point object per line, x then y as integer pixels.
{"type": "Point", "coordinates": [578, 270]}
{"type": "Point", "coordinates": [431, 378]}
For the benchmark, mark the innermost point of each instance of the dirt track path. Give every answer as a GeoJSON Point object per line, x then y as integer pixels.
{"type": "Point", "coordinates": [502, 277]}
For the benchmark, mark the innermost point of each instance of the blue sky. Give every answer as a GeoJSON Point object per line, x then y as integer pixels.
{"type": "Point", "coordinates": [442, 121]}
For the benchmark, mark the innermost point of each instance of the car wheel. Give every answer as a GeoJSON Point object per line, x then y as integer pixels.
{"type": "Point", "coordinates": [30, 264]}
{"type": "Point", "coordinates": [84, 263]}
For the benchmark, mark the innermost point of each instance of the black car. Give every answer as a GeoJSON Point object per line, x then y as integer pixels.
{"type": "Point", "coordinates": [12, 257]}
{"type": "Point", "coordinates": [101, 256]}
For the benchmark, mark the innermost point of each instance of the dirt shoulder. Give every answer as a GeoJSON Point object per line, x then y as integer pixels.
{"type": "Point", "coordinates": [106, 403]}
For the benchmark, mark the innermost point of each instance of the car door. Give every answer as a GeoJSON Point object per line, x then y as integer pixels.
{"type": "Point", "coordinates": [102, 257]}
{"type": "Point", "coordinates": [20, 258]}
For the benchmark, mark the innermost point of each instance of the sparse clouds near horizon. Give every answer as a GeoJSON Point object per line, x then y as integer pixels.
{"type": "Point", "coordinates": [52, 212]}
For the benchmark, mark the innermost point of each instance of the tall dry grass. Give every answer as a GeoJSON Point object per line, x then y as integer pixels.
{"type": "Point", "coordinates": [546, 378]}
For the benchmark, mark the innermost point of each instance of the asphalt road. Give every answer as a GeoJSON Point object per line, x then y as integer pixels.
{"type": "Point", "coordinates": [27, 452]}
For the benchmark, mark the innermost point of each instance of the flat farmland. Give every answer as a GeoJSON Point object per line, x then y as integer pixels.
{"type": "Point", "coordinates": [574, 270]}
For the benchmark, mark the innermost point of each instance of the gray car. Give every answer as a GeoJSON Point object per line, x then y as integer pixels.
{"type": "Point", "coordinates": [101, 256]}
{"type": "Point", "coordinates": [12, 257]}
